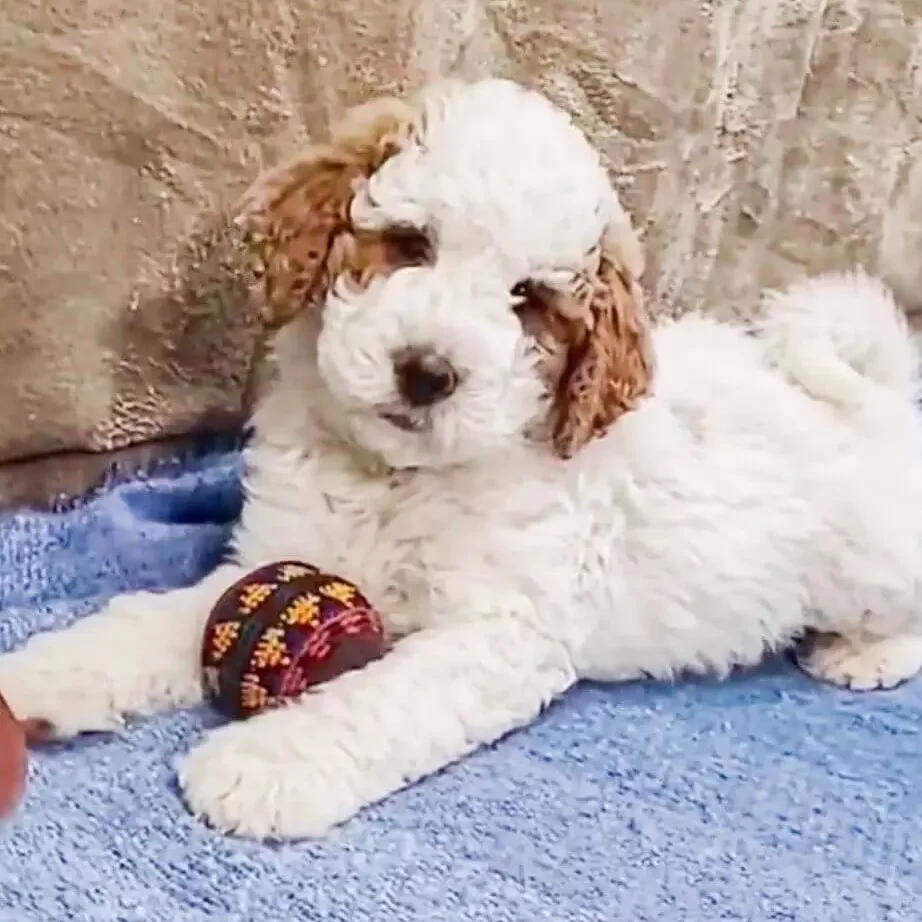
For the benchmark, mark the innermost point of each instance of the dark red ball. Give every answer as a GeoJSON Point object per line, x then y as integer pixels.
{"type": "Point", "coordinates": [283, 629]}
{"type": "Point", "coordinates": [13, 760]}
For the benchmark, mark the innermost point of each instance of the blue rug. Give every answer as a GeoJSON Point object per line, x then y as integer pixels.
{"type": "Point", "coordinates": [764, 798]}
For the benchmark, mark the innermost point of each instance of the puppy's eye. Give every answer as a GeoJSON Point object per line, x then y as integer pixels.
{"type": "Point", "coordinates": [410, 246]}
{"type": "Point", "coordinates": [528, 296]}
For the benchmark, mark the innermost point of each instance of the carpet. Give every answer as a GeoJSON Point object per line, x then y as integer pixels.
{"type": "Point", "coordinates": [766, 797]}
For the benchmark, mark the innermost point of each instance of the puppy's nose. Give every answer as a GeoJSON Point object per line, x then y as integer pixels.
{"type": "Point", "coordinates": [424, 377]}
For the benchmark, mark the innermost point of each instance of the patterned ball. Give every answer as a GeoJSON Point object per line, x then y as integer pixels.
{"type": "Point", "coordinates": [281, 630]}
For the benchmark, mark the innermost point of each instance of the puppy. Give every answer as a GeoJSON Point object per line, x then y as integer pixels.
{"type": "Point", "coordinates": [472, 418]}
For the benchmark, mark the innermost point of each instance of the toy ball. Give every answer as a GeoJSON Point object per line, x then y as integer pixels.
{"type": "Point", "coordinates": [13, 760]}
{"type": "Point", "coordinates": [281, 630]}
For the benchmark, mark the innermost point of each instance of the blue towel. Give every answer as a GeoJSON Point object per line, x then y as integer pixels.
{"type": "Point", "coordinates": [763, 798]}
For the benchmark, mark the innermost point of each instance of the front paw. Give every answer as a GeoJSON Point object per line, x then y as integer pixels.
{"type": "Point", "coordinates": [53, 700]}
{"type": "Point", "coordinates": [269, 779]}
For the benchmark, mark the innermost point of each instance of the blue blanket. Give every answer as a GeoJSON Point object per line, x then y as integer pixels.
{"type": "Point", "coordinates": [763, 798]}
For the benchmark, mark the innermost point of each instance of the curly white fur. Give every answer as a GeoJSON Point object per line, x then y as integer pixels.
{"type": "Point", "coordinates": [770, 484]}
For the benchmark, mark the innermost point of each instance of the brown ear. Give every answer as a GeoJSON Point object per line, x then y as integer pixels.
{"type": "Point", "coordinates": [295, 216]}
{"type": "Point", "coordinates": [610, 368]}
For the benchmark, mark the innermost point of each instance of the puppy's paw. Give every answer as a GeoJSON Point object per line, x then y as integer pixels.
{"type": "Point", "coordinates": [56, 702]}
{"type": "Point", "coordinates": [862, 663]}
{"type": "Point", "coordinates": [263, 780]}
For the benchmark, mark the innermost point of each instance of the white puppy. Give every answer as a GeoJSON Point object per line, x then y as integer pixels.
{"type": "Point", "coordinates": [466, 422]}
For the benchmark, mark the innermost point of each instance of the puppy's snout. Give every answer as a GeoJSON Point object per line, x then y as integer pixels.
{"type": "Point", "coordinates": [424, 377]}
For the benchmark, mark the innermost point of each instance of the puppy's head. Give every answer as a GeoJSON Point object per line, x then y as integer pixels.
{"type": "Point", "coordinates": [460, 273]}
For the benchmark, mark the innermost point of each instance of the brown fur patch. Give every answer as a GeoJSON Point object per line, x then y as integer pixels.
{"type": "Point", "coordinates": [594, 350]}
{"type": "Point", "coordinates": [296, 216]}
{"type": "Point", "coordinates": [611, 369]}
{"type": "Point", "coordinates": [365, 255]}
{"type": "Point", "coordinates": [557, 321]}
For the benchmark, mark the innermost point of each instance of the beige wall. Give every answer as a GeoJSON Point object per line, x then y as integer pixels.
{"type": "Point", "coordinates": [753, 139]}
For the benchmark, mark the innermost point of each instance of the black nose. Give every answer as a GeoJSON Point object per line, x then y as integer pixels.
{"type": "Point", "coordinates": [423, 377]}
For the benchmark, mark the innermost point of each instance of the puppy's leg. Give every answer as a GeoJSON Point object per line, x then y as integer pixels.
{"type": "Point", "coordinates": [139, 654]}
{"type": "Point", "coordinates": [302, 769]}
{"type": "Point", "coordinates": [862, 662]}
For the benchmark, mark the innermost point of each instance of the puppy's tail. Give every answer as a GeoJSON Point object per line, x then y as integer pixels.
{"type": "Point", "coordinates": [834, 334]}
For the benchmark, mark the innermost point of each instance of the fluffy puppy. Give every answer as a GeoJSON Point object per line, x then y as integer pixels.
{"type": "Point", "coordinates": [465, 421]}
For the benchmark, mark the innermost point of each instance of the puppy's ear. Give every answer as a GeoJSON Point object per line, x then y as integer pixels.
{"type": "Point", "coordinates": [610, 367]}
{"type": "Point", "coordinates": [295, 217]}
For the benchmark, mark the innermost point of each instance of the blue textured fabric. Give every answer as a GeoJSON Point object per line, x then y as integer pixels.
{"type": "Point", "coordinates": [763, 798]}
